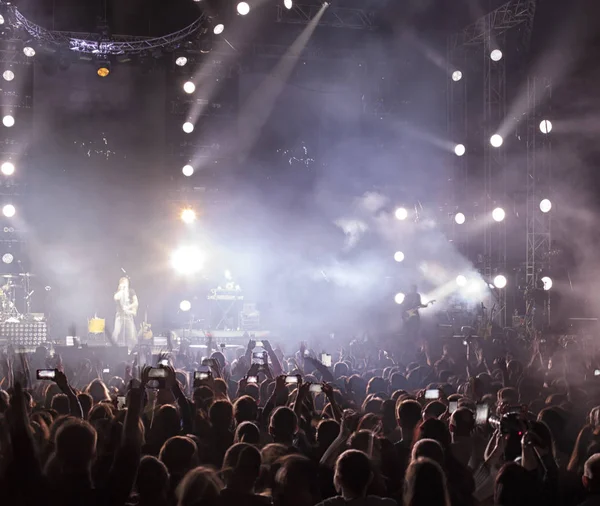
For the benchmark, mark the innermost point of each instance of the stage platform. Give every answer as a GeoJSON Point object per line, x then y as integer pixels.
{"type": "Point", "coordinates": [222, 335]}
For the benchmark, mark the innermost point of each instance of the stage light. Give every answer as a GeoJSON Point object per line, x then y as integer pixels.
{"type": "Point", "coordinates": [243, 8]}
{"type": "Point", "coordinates": [188, 127]}
{"type": "Point", "coordinates": [399, 298]}
{"type": "Point", "coordinates": [29, 51]}
{"type": "Point", "coordinates": [188, 216]}
{"type": "Point", "coordinates": [287, 4]}
{"type": "Point", "coordinates": [7, 168]}
{"type": "Point", "coordinates": [9, 210]}
{"type": "Point", "coordinates": [461, 280]}
{"type": "Point", "coordinates": [401, 213]}
{"type": "Point", "coordinates": [496, 55]}
{"type": "Point", "coordinates": [500, 281]}
{"type": "Point", "coordinates": [545, 126]}
{"type": "Point", "coordinates": [459, 149]}
{"type": "Point", "coordinates": [496, 140]}
{"type": "Point", "coordinates": [103, 68]}
{"type": "Point", "coordinates": [189, 87]}
{"type": "Point", "coordinates": [8, 75]}
{"type": "Point", "coordinates": [185, 305]}
{"type": "Point", "coordinates": [547, 281]}
{"type": "Point", "coordinates": [187, 170]}
{"type": "Point", "coordinates": [456, 75]}
{"type": "Point", "coordinates": [7, 258]}
{"type": "Point", "coordinates": [218, 29]}
{"type": "Point", "coordinates": [399, 256]}
{"type": "Point", "coordinates": [8, 121]}
{"type": "Point", "coordinates": [459, 218]}
{"type": "Point", "coordinates": [187, 260]}
{"type": "Point", "coordinates": [545, 205]}
{"type": "Point", "coordinates": [498, 214]}
{"type": "Point", "coordinates": [181, 61]}
{"type": "Point", "coordinates": [1, 19]}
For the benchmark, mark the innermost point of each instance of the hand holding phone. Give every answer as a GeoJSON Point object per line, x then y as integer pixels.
{"type": "Point", "coordinates": [482, 412]}
{"type": "Point", "coordinates": [45, 374]}
{"type": "Point", "coordinates": [252, 379]}
{"type": "Point", "coordinates": [326, 359]}
{"type": "Point", "coordinates": [121, 402]}
{"type": "Point", "coordinates": [315, 388]}
{"type": "Point", "coordinates": [291, 380]}
{"type": "Point", "coordinates": [432, 393]}
{"type": "Point", "coordinates": [202, 375]}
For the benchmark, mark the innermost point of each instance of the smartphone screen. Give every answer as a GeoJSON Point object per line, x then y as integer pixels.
{"type": "Point", "coordinates": [258, 358]}
{"type": "Point", "coordinates": [453, 406]}
{"type": "Point", "coordinates": [202, 375]}
{"type": "Point", "coordinates": [259, 344]}
{"type": "Point", "coordinates": [597, 372]}
{"type": "Point", "coordinates": [157, 372]}
{"type": "Point", "coordinates": [315, 388]}
{"type": "Point", "coordinates": [121, 402]}
{"type": "Point", "coordinates": [45, 374]}
{"type": "Point", "coordinates": [291, 379]}
{"type": "Point", "coordinates": [481, 414]}
{"type": "Point", "coordinates": [105, 371]}
{"type": "Point", "coordinates": [252, 379]}
{"type": "Point", "coordinates": [326, 359]}
{"type": "Point", "coordinates": [434, 393]}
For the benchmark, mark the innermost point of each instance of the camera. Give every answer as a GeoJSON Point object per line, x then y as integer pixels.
{"type": "Point", "coordinates": [510, 424]}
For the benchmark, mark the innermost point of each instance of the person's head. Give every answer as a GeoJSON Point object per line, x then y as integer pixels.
{"type": "Point", "coordinates": [60, 403]}
{"type": "Point", "coordinates": [591, 474]}
{"type": "Point", "coordinates": [75, 445]}
{"type": "Point", "coordinates": [102, 411]}
{"type": "Point", "coordinates": [245, 409]}
{"type": "Point", "coordinates": [340, 369]}
{"type": "Point", "coordinates": [283, 425]}
{"type": "Point", "coordinates": [376, 384]}
{"type": "Point", "coordinates": [462, 422]}
{"type": "Point", "coordinates": [425, 484]}
{"type": "Point", "coordinates": [353, 474]}
{"type": "Point", "coordinates": [203, 397]}
{"type": "Point", "coordinates": [221, 415]}
{"type": "Point", "coordinates": [513, 486]}
{"type": "Point", "coordinates": [508, 397]}
{"type": "Point", "coordinates": [580, 451]}
{"type": "Point", "coordinates": [179, 454]}
{"type": "Point", "coordinates": [247, 432]}
{"type": "Point", "coordinates": [152, 478]}
{"type": "Point", "coordinates": [272, 452]}
{"type": "Point", "coordinates": [241, 467]}
{"type": "Point", "coordinates": [398, 382]}
{"type": "Point", "coordinates": [541, 437]}
{"type": "Point", "coordinates": [435, 429]}
{"type": "Point", "coordinates": [556, 420]}
{"type": "Point", "coordinates": [327, 431]}
{"type": "Point", "coordinates": [296, 482]}
{"type": "Point", "coordinates": [86, 401]}
{"type": "Point", "coordinates": [434, 409]}
{"type": "Point", "coordinates": [408, 414]}
{"type": "Point", "coordinates": [200, 486]}
{"type": "Point", "coordinates": [219, 357]}
{"type": "Point", "coordinates": [123, 282]}
{"type": "Point", "coordinates": [430, 449]}
{"type": "Point", "coordinates": [97, 389]}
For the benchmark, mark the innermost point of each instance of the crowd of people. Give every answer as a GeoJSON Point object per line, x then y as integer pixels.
{"type": "Point", "coordinates": [488, 422]}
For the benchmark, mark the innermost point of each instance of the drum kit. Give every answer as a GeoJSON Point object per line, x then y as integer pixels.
{"type": "Point", "coordinates": [12, 285]}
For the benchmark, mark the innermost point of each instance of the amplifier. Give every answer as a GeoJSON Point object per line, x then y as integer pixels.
{"type": "Point", "coordinates": [24, 333]}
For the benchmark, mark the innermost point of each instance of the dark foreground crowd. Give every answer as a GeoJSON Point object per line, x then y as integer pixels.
{"type": "Point", "coordinates": [490, 423]}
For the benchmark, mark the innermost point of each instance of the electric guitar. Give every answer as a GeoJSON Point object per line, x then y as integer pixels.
{"type": "Point", "coordinates": [408, 314]}
{"type": "Point", "coordinates": [145, 331]}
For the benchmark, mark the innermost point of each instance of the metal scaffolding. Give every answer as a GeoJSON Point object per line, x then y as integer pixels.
{"type": "Point", "coordinates": [338, 17]}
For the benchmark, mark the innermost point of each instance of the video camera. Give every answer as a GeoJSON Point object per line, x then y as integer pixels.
{"type": "Point", "coordinates": [513, 423]}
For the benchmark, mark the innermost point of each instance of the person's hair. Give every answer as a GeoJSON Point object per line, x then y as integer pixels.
{"type": "Point", "coordinates": [179, 454]}
{"type": "Point", "coordinates": [340, 369]}
{"type": "Point", "coordinates": [60, 402]}
{"type": "Point", "coordinates": [408, 414]}
{"type": "Point", "coordinates": [166, 424]}
{"type": "Point", "coordinates": [425, 484]}
{"type": "Point", "coordinates": [327, 431]}
{"type": "Point", "coordinates": [220, 414]}
{"type": "Point", "coordinates": [353, 472]}
{"type": "Point", "coordinates": [220, 388]}
{"type": "Point", "coordinates": [152, 478]}
{"type": "Point", "coordinates": [247, 432]}
{"type": "Point", "coordinates": [435, 429]}
{"type": "Point", "coordinates": [296, 475]}
{"type": "Point", "coordinates": [201, 486]}
{"type": "Point", "coordinates": [430, 449]}
{"type": "Point", "coordinates": [508, 395]}
{"type": "Point", "coordinates": [580, 450]}
{"type": "Point", "coordinates": [284, 423]}
{"type": "Point", "coordinates": [365, 441]}
{"type": "Point", "coordinates": [434, 409]}
{"type": "Point", "coordinates": [376, 384]}
{"type": "Point", "coordinates": [272, 452]}
{"type": "Point", "coordinates": [556, 419]}
{"type": "Point", "coordinates": [462, 422]}
{"type": "Point", "coordinates": [241, 466]}
{"type": "Point", "coordinates": [74, 448]}
{"type": "Point", "coordinates": [541, 430]}
{"type": "Point", "coordinates": [512, 486]}
{"type": "Point", "coordinates": [86, 401]}
{"type": "Point", "coordinates": [369, 421]}
{"type": "Point", "coordinates": [591, 473]}
{"type": "Point", "coordinates": [97, 389]}
{"type": "Point", "coordinates": [398, 381]}
{"type": "Point", "coordinates": [101, 411]}
{"type": "Point", "coordinates": [245, 409]}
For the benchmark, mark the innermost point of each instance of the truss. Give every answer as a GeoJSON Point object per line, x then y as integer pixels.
{"type": "Point", "coordinates": [338, 17]}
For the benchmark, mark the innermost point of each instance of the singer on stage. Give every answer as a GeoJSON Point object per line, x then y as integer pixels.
{"type": "Point", "coordinates": [127, 306]}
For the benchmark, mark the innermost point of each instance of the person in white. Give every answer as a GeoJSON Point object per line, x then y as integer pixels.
{"type": "Point", "coordinates": [127, 306]}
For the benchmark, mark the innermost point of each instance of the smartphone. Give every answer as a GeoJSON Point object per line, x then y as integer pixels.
{"type": "Point", "coordinates": [289, 380]}
{"type": "Point", "coordinates": [260, 344]}
{"type": "Point", "coordinates": [45, 374]}
{"type": "Point", "coordinates": [258, 357]}
{"type": "Point", "coordinates": [597, 372]}
{"type": "Point", "coordinates": [202, 375]}
{"type": "Point", "coordinates": [105, 371]}
{"type": "Point", "coordinates": [121, 402]}
{"type": "Point", "coordinates": [453, 406]}
{"type": "Point", "coordinates": [315, 388]}
{"type": "Point", "coordinates": [482, 412]}
{"type": "Point", "coordinates": [434, 393]}
{"type": "Point", "coordinates": [252, 379]}
{"type": "Point", "coordinates": [164, 362]}
{"type": "Point", "coordinates": [326, 359]}
{"type": "Point", "coordinates": [157, 372]}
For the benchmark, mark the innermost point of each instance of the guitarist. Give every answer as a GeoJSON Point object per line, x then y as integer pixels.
{"type": "Point", "coordinates": [410, 314]}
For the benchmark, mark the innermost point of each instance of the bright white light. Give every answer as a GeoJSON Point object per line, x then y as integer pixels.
{"type": "Point", "coordinates": [188, 127]}
{"type": "Point", "coordinates": [8, 121]}
{"type": "Point", "coordinates": [461, 280]}
{"type": "Point", "coordinates": [8, 75]}
{"type": "Point", "coordinates": [7, 258]}
{"type": "Point", "coordinates": [456, 75]}
{"type": "Point", "coordinates": [459, 218]}
{"type": "Point", "coordinates": [188, 216]}
{"type": "Point", "coordinates": [187, 170]}
{"type": "Point", "coordinates": [399, 298]}
{"type": "Point", "coordinates": [399, 256]}
{"type": "Point", "coordinates": [29, 51]}
{"type": "Point", "coordinates": [218, 29]}
{"type": "Point", "coordinates": [460, 149]}
{"type": "Point", "coordinates": [496, 140]}
{"type": "Point", "coordinates": [9, 210]}
{"type": "Point", "coordinates": [545, 126]}
{"type": "Point", "coordinates": [496, 55]}
{"type": "Point", "coordinates": [498, 214]}
{"type": "Point", "coordinates": [187, 260]}
{"type": "Point", "coordinates": [227, 275]}
{"type": "Point", "coordinates": [185, 305]}
{"type": "Point", "coordinates": [189, 87]}
{"type": "Point", "coordinates": [500, 281]}
{"type": "Point", "coordinates": [287, 4]}
{"type": "Point", "coordinates": [1, 19]}
{"type": "Point", "coordinates": [547, 281]}
{"type": "Point", "coordinates": [181, 61]}
{"type": "Point", "coordinates": [545, 205]}
{"type": "Point", "coordinates": [7, 168]}
{"type": "Point", "coordinates": [243, 8]}
{"type": "Point", "coordinates": [401, 213]}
